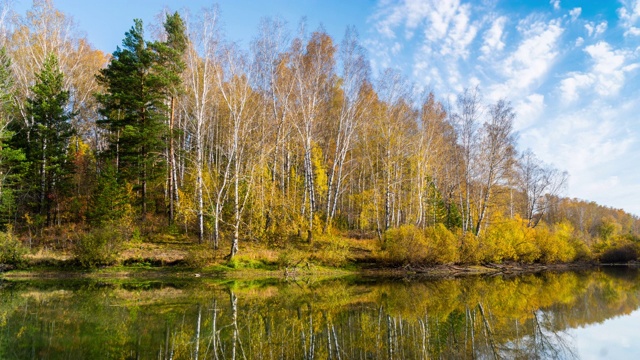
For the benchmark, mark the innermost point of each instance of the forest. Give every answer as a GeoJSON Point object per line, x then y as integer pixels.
{"type": "Point", "coordinates": [290, 145]}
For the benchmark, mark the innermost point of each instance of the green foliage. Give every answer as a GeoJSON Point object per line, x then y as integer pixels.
{"type": "Point", "coordinates": [111, 202]}
{"type": "Point", "coordinates": [45, 142]}
{"type": "Point", "coordinates": [12, 251]}
{"type": "Point", "coordinates": [99, 247]}
{"type": "Point", "coordinates": [134, 110]}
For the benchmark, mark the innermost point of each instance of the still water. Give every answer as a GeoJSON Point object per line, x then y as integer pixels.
{"type": "Point", "coordinates": [571, 315]}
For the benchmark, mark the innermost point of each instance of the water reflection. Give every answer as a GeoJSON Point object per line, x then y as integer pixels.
{"type": "Point", "coordinates": [529, 317]}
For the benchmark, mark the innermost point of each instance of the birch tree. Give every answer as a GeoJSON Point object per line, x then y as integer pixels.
{"type": "Point", "coordinates": [313, 69]}
{"type": "Point", "coordinates": [233, 80]}
{"type": "Point", "coordinates": [199, 99]}
{"type": "Point", "coordinates": [537, 182]}
{"type": "Point", "coordinates": [497, 151]}
{"type": "Point", "coordinates": [466, 122]}
{"type": "Point", "coordinates": [354, 76]}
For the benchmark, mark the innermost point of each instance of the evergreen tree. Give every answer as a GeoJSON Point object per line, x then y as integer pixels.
{"type": "Point", "coordinates": [169, 66]}
{"type": "Point", "coordinates": [45, 143]}
{"type": "Point", "coordinates": [134, 112]}
{"type": "Point", "coordinates": [10, 159]}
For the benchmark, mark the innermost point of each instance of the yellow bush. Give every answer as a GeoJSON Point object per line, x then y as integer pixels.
{"type": "Point", "coordinates": [470, 250]}
{"type": "Point", "coordinates": [434, 245]}
{"type": "Point", "coordinates": [442, 245]}
{"type": "Point", "coordinates": [406, 244]}
{"type": "Point", "coordinates": [556, 246]}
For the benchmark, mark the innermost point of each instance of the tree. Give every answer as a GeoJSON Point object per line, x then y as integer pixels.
{"type": "Point", "coordinates": [43, 31]}
{"type": "Point", "coordinates": [9, 158]}
{"type": "Point", "coordinates": [134, 111]}
{"type": "Point", "coordinates": [346, 124]}
{"type": "Point", "coordinates": [233, 79]}
{"type": "Point", "coordinates": [537, 182]}
{"type": "Point", "coordinates": [496, 157]}
{"type": "Point", "coordinates": [313, 71]}
{"type": "Point", "coordinates": [466, 123]}
{"type": "Point", "coordinates": [46, 142]}
{"type": "Point", "coordinates": [169, 66]}
{"type": "Point", "coordinates": [199, 99]}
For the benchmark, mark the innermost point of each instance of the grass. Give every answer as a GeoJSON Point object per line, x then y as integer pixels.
{"type": "Point", "coordinates": [175, 256]}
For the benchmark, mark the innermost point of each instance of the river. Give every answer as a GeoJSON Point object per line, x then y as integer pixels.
{"type": "Point", "coordinates": [570, 315]}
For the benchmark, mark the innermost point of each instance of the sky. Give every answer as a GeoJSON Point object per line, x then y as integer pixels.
{"type": "Point", "coordinates": [570, 68]}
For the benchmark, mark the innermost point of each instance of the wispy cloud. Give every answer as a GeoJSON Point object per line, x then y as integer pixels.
{"type": "Point", "coordinates": [596, 30]}
{"type": "Point", "coordinates": [527, 66]}
{"type": "Point", "coordinates": [493, 37]}
{"type": "Point", "coordinates": [629, 14]}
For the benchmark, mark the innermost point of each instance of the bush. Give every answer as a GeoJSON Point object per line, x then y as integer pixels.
{"type": "Point", "coordinates": [434, 245]}
{"type": "Point", "coordinates": [556, 246]}
{"type": "Point", "coordinates": [11, 250]}
{"type": "Point", "coordinates": [406, 244]}
{"type": "Point", "coordinates": [442, 245]}
{"type": "Point", "coordinates": [470, 252]}
{"type": "Point", "coordinates": [620, 254]}
{"type": "Point", "coordinates": [98, 248]}
{"type": "Point", "coordinates": [200, 256]}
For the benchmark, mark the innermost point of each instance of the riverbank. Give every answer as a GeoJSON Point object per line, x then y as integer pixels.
{"type": "Point", "coordinates": [316, 272]}
{"type": "Point", "coordinates": [326, 257]}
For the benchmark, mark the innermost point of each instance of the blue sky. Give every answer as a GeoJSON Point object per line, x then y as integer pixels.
{"type": "Point", "coordinates": [570, 68]}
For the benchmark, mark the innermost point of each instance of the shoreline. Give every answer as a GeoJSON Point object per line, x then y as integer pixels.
{"type": "Point", "coordinates": [183, 273]}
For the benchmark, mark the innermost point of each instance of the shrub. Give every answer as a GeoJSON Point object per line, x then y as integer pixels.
{"type": "Point", "coordinates": [200, 256]}
{"type": "Point", "coordinates": [97, 248]}
{"type": "Point", "coordinates": [11, 250]}
{"type": "Point", "coordinates": [434, 245]}
{"type": "Point", "coordinates": [406, 244]}
{"type": "Point", "coordinates": [470, 252]}
{"type": "Point", "coordinates": [442, 245]}
{"type": "Point", "coordinates": [498, 242]}
{"type": "Point", "coordinates": [620, 254]}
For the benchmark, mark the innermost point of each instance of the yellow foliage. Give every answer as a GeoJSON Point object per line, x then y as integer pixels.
{"type": "Point", "coordinates": [470, 249]}
{"type": "Point", "coordinates": [509, 239]}
{"type": "Point", "coordinates": [319, 171]}
{"type": "Point", "coordinates": [556, 246]}
{"type": "Point", "coordinates": [434, 245]}
{"type": "Point", "coordinates": [442, 244]}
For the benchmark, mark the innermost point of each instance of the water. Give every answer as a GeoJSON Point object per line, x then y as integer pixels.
{"type": "Point", "coordinates": [581, 315]}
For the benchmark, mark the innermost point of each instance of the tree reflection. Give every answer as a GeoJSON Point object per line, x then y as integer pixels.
{"type": "Point", "coordinates": [523, 317]}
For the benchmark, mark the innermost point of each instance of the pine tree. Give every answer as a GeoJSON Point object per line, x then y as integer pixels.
{"type": "Point", "coordinates": [134, 112]}
{"type": "Point", "coordinates": [45, 143]}
{"type": "Point", "coordinates": [10, 159]}
{"type": "Point", "coordinates": [169, 65]}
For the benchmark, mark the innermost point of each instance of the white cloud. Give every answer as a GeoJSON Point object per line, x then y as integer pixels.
{"type": "Point", "coordinates": [528, 110]}
{"type": "Point", "coordinates": [493, 37]}
{"type": "Point", "coordinates": [633, 31]}
{"type": "Point", "coordinates": [606, 76]}
{"type": "Point", "coordinates": [609, 68]}
{"type": "Point", "coordinates": [629, 14]}
{"type": "Point", "coordinates": [555, 4]}
{"type": "Point", "coordinates": [596, 30]}
{"type": "Point", "coordinates": [579, 41]}
{"type": "Point", "coordinates": [527, 66]}
{"type": "Point", "coordinates": [575, 13]}
{"type": "Point", "coordinates": [460, 35]}
{"type": "Point", "coordinates": [571, 86]}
